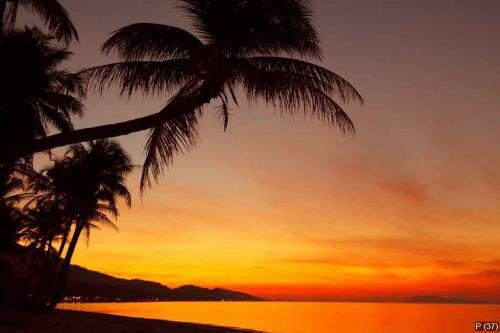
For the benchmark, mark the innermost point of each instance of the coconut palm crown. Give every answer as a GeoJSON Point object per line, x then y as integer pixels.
{"type": "Point", "coordinates": [261, 47]}
{"type": "Point", "coordinates": [82, 189]}
{"type": "Point", "coordinates": [35, 93]}
{"type": "Point", "coordinates": [51, 12]}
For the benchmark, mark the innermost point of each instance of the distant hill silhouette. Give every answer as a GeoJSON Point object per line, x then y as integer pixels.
{"type": "Point", "coordinates": [439, 299]}
{"type": "Point", "coordinates": [87, 285]}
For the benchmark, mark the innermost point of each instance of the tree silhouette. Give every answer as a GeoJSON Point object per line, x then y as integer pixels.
{"type": "Point", "coordinates": [81, 191]}
{"type": "Point", "coordinates": [50, 12]}
{"type": "Point", "coordinates": [34, 93]}
{"type": "Point", "coordinates": [259, 46]}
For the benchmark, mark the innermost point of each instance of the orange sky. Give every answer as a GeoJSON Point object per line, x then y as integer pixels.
{"type": "Point", "coordinates": [290, 209]}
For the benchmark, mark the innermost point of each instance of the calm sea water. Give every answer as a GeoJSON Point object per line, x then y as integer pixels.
{"type": "Point", "coordinates": [299, 317]}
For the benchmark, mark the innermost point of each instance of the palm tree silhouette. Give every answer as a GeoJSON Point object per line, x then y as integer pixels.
{"type": "Point", "coordinates": [239, 44]}
{"type": "Point", "coordinates": [260, 46]}
{"type": "Point", "coordinates": [34, 93]}
{"type": "Point", "coordinates": [43, 225]}
{"type": "Point", "coordinates": [87, 182]}
{"type": "Point", "coordinates": [50, 12]}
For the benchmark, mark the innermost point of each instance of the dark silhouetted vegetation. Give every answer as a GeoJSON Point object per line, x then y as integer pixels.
{"type": "Point", "coordinates": [263, 49]}
{"type": "Point", "coordinates": [35, 94]}
{"type": "Point", "coordinates": [49, 11]}
{"type": "Point", "coordinates": [74, 195]}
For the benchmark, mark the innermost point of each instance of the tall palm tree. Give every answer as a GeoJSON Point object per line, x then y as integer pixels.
{"type": "Point", "coordinates": [47, 220]}
{"type": "Point", "coordinates": [34, 93]}
{"type": "Point", "coordinates": [88, 180]}
{"type": "Point", "coordinates": [43, 225]}
{"type": "Point", "coordinates": [241, 44]}
{"type": "Point", "coordinates": [50, 12]}
{"type": "Point", "coordinates": [50, 196]}
{"type": "Point", "coordinates": [262, 47]}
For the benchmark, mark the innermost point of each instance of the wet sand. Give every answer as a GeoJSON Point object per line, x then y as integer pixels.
{"type": "Point", "coordinates": [62, 321]}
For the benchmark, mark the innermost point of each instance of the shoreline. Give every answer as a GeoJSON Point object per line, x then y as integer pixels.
{"type": "Point", "coordinates": [62, 321]}
{"type": "Point", "coordinates": [285, 301]}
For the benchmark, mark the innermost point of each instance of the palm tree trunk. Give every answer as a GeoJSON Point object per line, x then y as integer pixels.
{"type": "Point", "coordinates": [29, 274]}
{"type": "Point", "coordinates": [58, 257]}
{"type": "Point", "coordinates": [55, 265]}
{"type": "Point", "coordinates": [177, 107]}
{"type": "Point", "coordinates": [45, 270]}
{"type": "Point", "coordinates": [63, 273]}
{"type": "Point", "coordinates": [32, 268]}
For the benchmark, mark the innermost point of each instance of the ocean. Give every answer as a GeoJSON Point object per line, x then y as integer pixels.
{"type": "Point", "coordinates": [314, 317]}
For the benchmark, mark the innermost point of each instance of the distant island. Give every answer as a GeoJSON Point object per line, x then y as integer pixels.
{"type": "Point", "coordinates": [90, 286]}
{"type": "Point", "coordinates": [439, 299]}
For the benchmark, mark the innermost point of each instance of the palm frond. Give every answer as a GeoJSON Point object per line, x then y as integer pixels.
{"type": "Point", "coordinates": [149, 41]}
{"type": "Point", "coordinates": [55, 16]}
{"type": "Point", "coordinates": [64, 104]}
{"type": "Point", "coordinates": [68, 83]}
{"type": "Point", "coordinates": [54, 117]}
{"type": "Point", "coordinates": [107, 209]}
{"type": "Point", "coordinates": [290, 93]}
{"type": "Point", "coordinates": [36, 198]}
{"type": "Point", "coordinates": [16, 198]}
{"type": "Point", "coordinates": [12, 185]}
{"type": "Point", "coordinates": [53, 56]}
{"type": "Point", "coordinates": [165, 142]}
{"type": "Point", "coordinates": [244, 27]}
{"type": "Point", "coordinates": [170, 139]}
{"type": "Point", "coordinates": [86, 234]}
{"type": "Point", "coordinates": [150, 77]}
{"type": "Point", "coordinates": [224, 111]}
{"type": "Point", "coordinates": [322, 78]}
{"type": "Point", "coordinates": [102, 219]}
{"type": "Point", "coordinates": [233, 94]}
{"type": "Point", "coordinates": [111, 189]}
{"type": "Point", "coordinates": [121, 190]}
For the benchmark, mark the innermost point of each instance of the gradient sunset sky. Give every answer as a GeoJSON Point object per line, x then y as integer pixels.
{"type": "Point", "coordinates": [291, 209]}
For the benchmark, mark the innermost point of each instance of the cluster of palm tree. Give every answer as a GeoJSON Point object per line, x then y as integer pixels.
{"type": "Point", "coordinates": [260, 49]}
{"type": "Point", "coordinates": [48, 210]}
{"type": "Point", "coordinates": [55, 206]}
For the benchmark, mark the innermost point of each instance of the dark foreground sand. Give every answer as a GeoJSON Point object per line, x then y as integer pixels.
{"type": "Point", "coordinates": [85, 322]}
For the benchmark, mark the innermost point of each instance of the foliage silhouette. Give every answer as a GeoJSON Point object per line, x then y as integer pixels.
{"type": "Point", "coordinates": [259, 46]}
{"type": "Point", "coordinates": [34, 93]}
{"type": "Point", "coordinates": [76, 194]}
{"type": "Point", "coordinates": [50, 12]}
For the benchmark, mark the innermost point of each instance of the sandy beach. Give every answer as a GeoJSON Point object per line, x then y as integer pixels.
{"type": "Point", "coordinates": [84, 322]}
